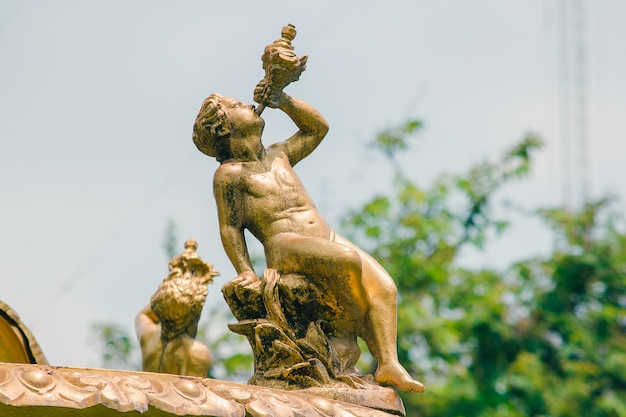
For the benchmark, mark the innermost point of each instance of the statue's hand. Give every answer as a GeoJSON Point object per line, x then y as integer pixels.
{"type": "Point", "coordinates": [267, 96]}
{"type": "Point", "coordinates": [259, 91]}
{"type": "Point", "coordinates": [275, 99]}
{"type": "Point", "coordinates": [247, 279]}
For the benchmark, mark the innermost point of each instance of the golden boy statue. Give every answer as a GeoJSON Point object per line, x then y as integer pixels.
{"type": "Point", "coordinates": [167, 327]}
{"type": "Point", "coordinates": [257, 189]}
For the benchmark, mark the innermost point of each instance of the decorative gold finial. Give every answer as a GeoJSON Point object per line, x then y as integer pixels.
{"type": "Point", "coordinates": [282, 67]}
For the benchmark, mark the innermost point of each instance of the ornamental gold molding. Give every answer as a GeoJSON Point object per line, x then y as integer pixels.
{"type": "Point", "coordinates": [27, 390]}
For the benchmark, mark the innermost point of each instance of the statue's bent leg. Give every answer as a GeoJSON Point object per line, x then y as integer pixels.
{"type": "Point", "coordinates": [381, 326]}
{"type": "Point", "coordinates": [337, 264]}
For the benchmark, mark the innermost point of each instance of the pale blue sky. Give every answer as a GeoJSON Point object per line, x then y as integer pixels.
{"type": "Point", "coordinates": [98, 98]}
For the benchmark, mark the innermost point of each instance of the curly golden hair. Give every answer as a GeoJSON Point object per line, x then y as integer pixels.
{"type": "Point", "coordinates": [178, 303]}
{"type": "Point", "coordinates": [211, 129]}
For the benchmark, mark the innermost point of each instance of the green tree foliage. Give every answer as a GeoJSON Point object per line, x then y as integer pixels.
{"type": "Point", "coordinates": [170, 240]}
{"type": "Point", "coordinates": [116, 346]}
{"type": "Point", "coordinates": [546, 337]}
{"type": "Point", "coordinates": [231, 356]}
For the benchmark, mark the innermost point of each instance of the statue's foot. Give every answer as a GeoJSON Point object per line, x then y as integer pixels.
{"type": "Point", "coordinates": [396, 376]}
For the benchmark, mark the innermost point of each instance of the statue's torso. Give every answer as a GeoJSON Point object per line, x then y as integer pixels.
{"type": "Point", "coordinates": [275, 201]}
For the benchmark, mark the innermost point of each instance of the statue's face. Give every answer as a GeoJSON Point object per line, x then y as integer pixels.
{"type": "Point", "coordinates": [242, 117]}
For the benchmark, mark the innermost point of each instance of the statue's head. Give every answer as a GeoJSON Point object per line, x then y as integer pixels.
{"type": "Point", "coordinates": [211, 129]}
{"type": "Point", "coordinates": [224, 126]}
{"type": "Point", "coordinates": [178, 303]}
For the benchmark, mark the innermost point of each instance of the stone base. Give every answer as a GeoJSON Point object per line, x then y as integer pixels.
{"type": "Point", "coordinates": [33, 390]}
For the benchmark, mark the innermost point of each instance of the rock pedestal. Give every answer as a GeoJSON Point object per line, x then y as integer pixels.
{"type": "Point", "coordinates": [301, 337]}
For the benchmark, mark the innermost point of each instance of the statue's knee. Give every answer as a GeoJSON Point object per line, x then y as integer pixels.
{"type": "Point", "coordinates": [352, 259]}
{"type": "Point", "coordinates": [390, 289]}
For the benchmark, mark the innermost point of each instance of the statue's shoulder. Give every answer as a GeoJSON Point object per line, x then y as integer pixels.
{"type": "Point", "coordinates": [227, 173]}
{"type": "Point", "coordinates": [278, 151]}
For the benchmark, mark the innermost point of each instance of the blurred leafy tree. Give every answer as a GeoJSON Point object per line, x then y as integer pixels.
{"type": "Point", "coordinates": [546, 337]}
{"type": "Point", "coordinates": [117, 348]}
{"type": "Point", "coordinates": [231, 357]}
{"type": "Point", "coordinates": [170, 239]}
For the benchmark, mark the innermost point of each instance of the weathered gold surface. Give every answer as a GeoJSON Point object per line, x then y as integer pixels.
{"type": "Point", "coordinates": [38, 390]}
{"type": "Point", "coordinates": [17, 343]}
{"type": "Point", "coordinates": [167, 327]}
{"type": "Point", "coordinates": [257, 189]}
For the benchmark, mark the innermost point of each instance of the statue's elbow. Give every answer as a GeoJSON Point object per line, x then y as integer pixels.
{"type": "Point", "coordinates": [323, 128]}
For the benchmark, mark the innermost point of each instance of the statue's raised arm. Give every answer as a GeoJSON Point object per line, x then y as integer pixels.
{"type": "Point", "coordinates": [312, 129]}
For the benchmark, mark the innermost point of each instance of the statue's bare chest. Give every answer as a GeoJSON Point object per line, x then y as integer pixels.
{"type": "Point", "coordinates": [270, 179]}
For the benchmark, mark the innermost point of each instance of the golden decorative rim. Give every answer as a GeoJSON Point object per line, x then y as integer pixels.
{"type": "Point", "coordinates": [26, 385]}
